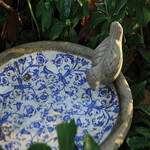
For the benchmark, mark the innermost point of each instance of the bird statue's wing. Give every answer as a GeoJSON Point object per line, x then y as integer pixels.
{"type": "Point", "coordinates": [112, 60]}
{"type": "Point", "coordinates": [99, 52]}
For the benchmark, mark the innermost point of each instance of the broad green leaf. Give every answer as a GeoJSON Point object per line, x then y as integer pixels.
{"type": "Point", "coordinates": [128, 25]}
{"type": "Point", "coordinates": [135, 39]}
{"type": "Point", "coordinates": [125, 57]}
{"type": "Point", "coordinates": [66, 135]}
{"type": "Point", "coordinates": [47, 5]}
{"type": "Point", "coordinates": [144, 74]}
{"type": "Point", "coordinates": [143, 131]}
{"type": "Point", "coordinates": [93, 41]}
{"type": "Point", "coordinates": [145, 54]}
{"type": "Point", "coordinates": [97, 18]}
{"type": "Point", "coordinates": [142, 120]}
{"type": "Point", "coordinates": [142, 14]}
{"type": "Point", "coordinates": [85, 5]}
{"type": "Point", "coordinates": [56, 29]}
{"type": "Point", "coordinates": [110, 6]}
{"type": "Point", "coordinates": [64, 7]}
{"type": "Point", "coordinates": [76, 19]}
{"type": "Point", "coordinates": [40, 8]}
{"type": "Point", "coordinates": [137, 92]}
{"type": "Point", "coordinates": [120, 5]}
{"type": "Point", "coordinates": [143, 108]}
{"type": "Point", "coordinates": [46, 19]}
{"type": "Point", "coordinates": [39, 146]}
{"type": "Point", "coordinates": [131, 6]}
{"type": "Point", "coordinates": [89, 143]}
{"type": "Point", "coordinates": [75, 9]}
{"type": "Point", "coordinates": [64, 36]}
{"type": "Point", "coordinates": [119, 12]}
{"type": "Point", "coordinates": [138, 142]}
{"type": "Point", "coordinates": [104, 30]}
{"type": "Point", "coordinates": [73, 36]}
{"type": "Point", "coordinates": [101, 7]}
{"type": "Point", "coordinates": [80, 2]}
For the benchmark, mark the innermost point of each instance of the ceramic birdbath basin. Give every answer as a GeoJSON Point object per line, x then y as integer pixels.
{"type": "Point", "coordinates": [44, 83]}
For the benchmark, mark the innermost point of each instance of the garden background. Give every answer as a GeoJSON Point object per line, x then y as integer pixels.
{"type": "Point", "coordinates": [87, 22]}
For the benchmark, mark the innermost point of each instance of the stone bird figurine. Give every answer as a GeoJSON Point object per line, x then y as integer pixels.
{"type": "Point", "coordinates": [107, 59]}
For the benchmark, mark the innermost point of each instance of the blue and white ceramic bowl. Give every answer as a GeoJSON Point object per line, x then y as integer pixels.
{"type": "Point", "coordinates": [42, 89]}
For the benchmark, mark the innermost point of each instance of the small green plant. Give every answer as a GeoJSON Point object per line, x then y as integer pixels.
{"type": "Point", "coordinates": [66, 135]}
{"type": "Point", "coordinates": [59, 18]}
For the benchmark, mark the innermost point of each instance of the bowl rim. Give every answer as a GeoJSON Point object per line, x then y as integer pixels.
{"type": "Point", "coordinates": [124, 120]}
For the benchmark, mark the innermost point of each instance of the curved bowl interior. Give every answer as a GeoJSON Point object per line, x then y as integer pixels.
{"type": "Point", "coordinates": [42, 89]}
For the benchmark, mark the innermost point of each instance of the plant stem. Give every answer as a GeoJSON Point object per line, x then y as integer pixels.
{"type": "Point", "coordinates": [37, 26]}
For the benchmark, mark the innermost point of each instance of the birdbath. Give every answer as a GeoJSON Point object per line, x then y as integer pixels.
{"type": "Point", "coordinates": [44, 83]}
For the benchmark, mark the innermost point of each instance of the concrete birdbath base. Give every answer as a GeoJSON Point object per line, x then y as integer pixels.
{"type": "Point", "coordinates": [45, 84]}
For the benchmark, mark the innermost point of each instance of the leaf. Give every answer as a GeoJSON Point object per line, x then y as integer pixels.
{"type": "Point", "coordinates": [136, 39]}
{"type": "Point", "coordinates": [75, 9]}
{"type": "Point", "coordinates": [80, 2]}
{"type": "Point", "coordinates": [143, 131]}
{"type": "Point", "coordinates": [105, 30]}
{"type": "Point", "coordinates": [97, 18]}
{"type": "Point", "coordinates": [56, 29]}
{"type": "Point", "coordinates": [85, 5]}
{"type": "Point", "coordinates": [142, 120]}
{"type": "Point", "coordinates": [39, 146]}
{"type": "Point", "coordinates": [138, 92]}
{"type": "Point", "coordinates": [64, 8]}
{"type": "Point", "coordinates": [143, 108]}
{"type": "Point", "coordinates": [46, 19]}
{"type": "Point", "coordinates": [66, 135]}
{"type": "Point", "coordinates": [89, 143]}
{"type": "Point", "coordinates": [110, 6]}
{"type": "Point", "coordinates": [128, 25]}
{"type": "Point", "coordinates": [142, 14]}
{"type": "Point", "coordinates": [119, 5]}
{"type": "Point", "coordinates": [138, 142]}
{"type": "Point", "coordinates": [65, 35]}
{"type": "Point", "coordinates": [145, 54]}
{"type": "Point", "coordinates": [130, 5]}
{"type": "Point", "coordinates": [73, 35]}
{"type": "Point", "coordinates": [119, 11]}
{"type": "Point", "coordinates": [40, 8]}
{"type": "Point", "coordinates": [93, 41]}
{"type": "Point", "coordinates": [101, 7]}
{"type": "Point", "coordinates": [76, 19]}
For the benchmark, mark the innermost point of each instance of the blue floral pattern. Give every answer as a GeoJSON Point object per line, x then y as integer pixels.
{"type": "Point", "coordinates": [40, 90]}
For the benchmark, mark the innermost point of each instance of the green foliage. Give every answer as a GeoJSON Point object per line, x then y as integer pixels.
{"type": "Point", "coordinates": [137, 92]}
{"type": "Point", "coordinates": [44, 10]}
{"type": "Point", "coordinates": [62, 25]}
{"type": "Point", "coordinates": [137, 142]}
{"type": "Point", "coordinates": [108, 11]}
{"type": "Point", "coordinates": [89, 143]}
{"type": "Point", "coordinates": [66, 135]}
{"type": "Point", "coordinates": [59, 20]}
{"type": "Point", "coordinates": [39, 146]}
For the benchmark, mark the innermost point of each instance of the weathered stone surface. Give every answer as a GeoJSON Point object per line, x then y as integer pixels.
{"type": "Point", "coordinates": [107, 59]}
